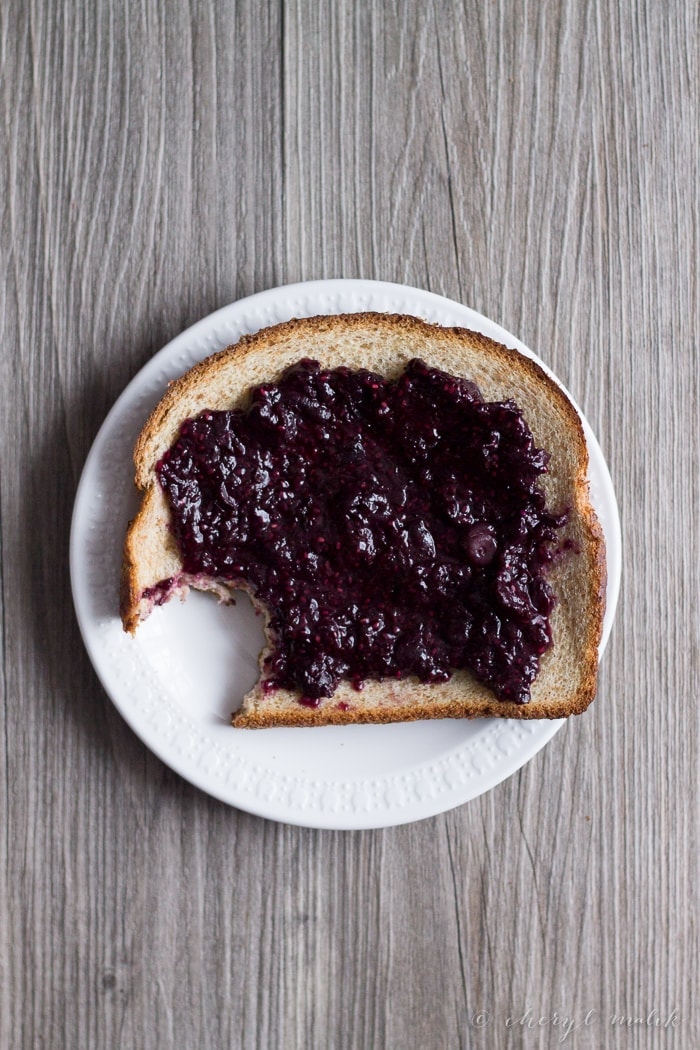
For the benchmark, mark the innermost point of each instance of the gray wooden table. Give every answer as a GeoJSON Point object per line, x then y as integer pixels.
{"type": "Point", "coordinates": [538, 162]}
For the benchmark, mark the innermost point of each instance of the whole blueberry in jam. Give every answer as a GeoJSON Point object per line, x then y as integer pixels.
{"type": "Point", "coordinates": [389, 527]}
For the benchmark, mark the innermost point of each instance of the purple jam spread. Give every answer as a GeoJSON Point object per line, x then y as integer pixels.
{"type": "Point", "coordinates": [389, 527]}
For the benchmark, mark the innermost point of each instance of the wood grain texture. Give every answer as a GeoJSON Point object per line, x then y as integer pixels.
{"type": "Point", "coordinates": [538, 162]}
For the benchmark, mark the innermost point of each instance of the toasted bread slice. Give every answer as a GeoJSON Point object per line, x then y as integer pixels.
{"type": "Point", "coordinates": [152, 568]}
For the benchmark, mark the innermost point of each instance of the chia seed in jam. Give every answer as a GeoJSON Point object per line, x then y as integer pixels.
{"type": "Point", "coordinates": [389, 527]}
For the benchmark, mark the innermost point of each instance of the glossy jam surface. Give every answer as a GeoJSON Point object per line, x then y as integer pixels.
{"type": "Point", "coordinates": [390, 528]}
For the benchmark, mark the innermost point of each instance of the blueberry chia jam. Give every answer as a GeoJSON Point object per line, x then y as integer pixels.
{"type": "Point", "coordinates": [390, 528]}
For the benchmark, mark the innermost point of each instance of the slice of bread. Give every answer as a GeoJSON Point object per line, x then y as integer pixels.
{"type": "Point", "coordinates": [152, 569]}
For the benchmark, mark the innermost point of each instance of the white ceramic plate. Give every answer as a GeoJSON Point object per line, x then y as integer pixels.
{"type": "Point", "coordinates": [188, 667]}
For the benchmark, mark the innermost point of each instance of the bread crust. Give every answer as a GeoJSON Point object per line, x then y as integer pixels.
{"type": "Point", "coordinates": [385, 343]}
